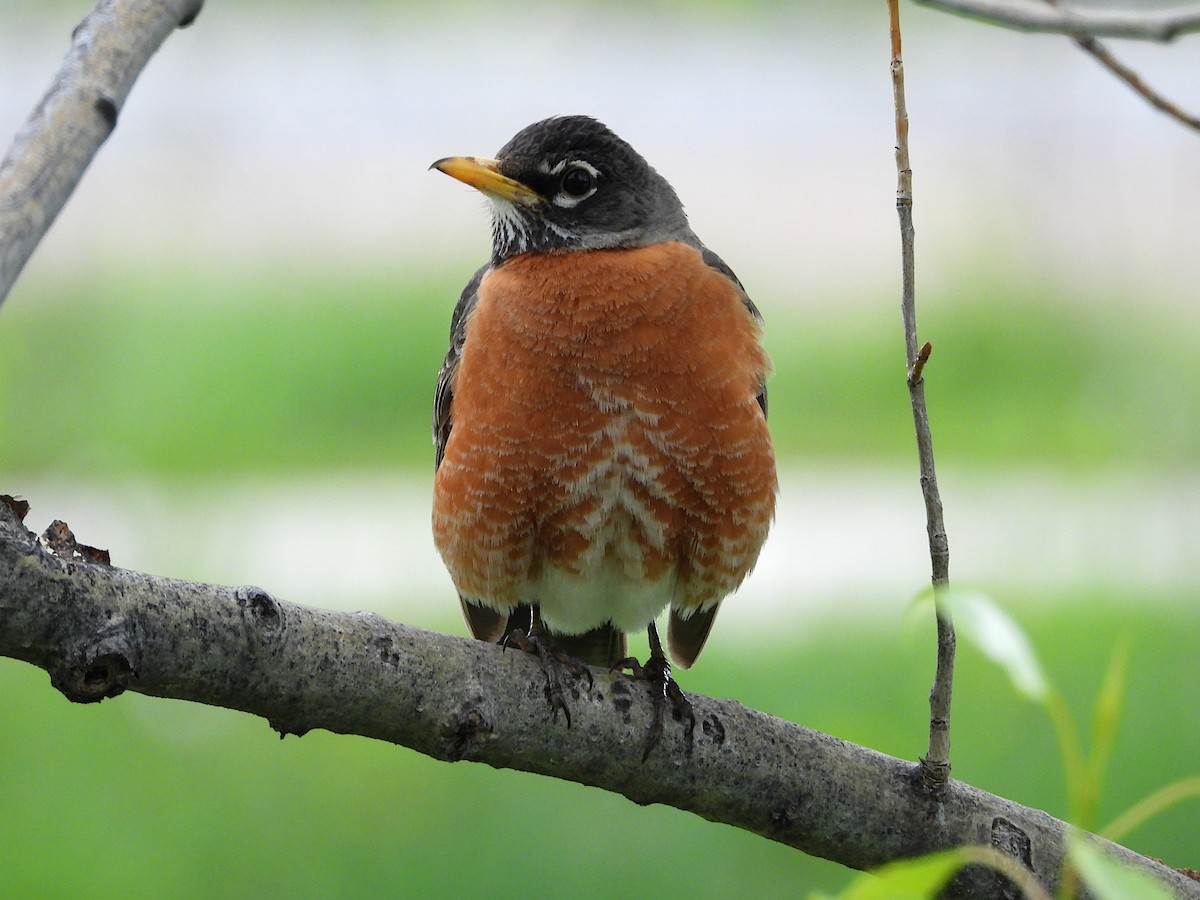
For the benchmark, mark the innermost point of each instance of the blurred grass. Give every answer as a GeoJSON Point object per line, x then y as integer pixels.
{"type": "Point", "coordinates": [237, 373]}
{"type": "Point", "coordinates": [156, 798]}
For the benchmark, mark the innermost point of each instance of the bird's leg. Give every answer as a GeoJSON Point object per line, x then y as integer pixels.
{"type": "Point", "coordinates": [657, 671]}
{"type": "Point", "coordinates": [534, 640]}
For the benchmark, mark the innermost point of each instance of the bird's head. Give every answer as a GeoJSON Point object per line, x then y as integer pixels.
{"type": "Point", "coordinates": [569, 183]}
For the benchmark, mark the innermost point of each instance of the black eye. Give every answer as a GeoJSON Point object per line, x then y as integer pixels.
{"type": "Point", "coordinates": [577, 182]}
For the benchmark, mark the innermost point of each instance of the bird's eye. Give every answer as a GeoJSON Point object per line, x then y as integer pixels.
{"type": "Point", "coordinates": [577, 182]}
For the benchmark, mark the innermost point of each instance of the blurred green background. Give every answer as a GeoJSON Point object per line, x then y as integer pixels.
{"type": "Point", "coordinates": [244, 306]}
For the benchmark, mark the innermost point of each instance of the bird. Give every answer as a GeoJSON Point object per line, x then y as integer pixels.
{"type": "Point", "coordinates": [600, 416]}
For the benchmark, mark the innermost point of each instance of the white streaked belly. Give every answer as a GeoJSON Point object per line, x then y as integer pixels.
{"type": "Point", "coordinates": [608, 582]}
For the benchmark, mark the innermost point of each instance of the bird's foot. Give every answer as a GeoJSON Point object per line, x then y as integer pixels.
{"type": "Point", "coordinates": [551, 660]}
{"type": "Point", "coordinates": [665, 690]}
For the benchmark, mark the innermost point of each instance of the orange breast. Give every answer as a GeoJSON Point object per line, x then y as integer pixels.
{"type": "Point", "coordinates": [605, 424]}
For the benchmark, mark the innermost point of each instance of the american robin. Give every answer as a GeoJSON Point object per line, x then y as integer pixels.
{"type": "Point", "coordinates": [600, 417]}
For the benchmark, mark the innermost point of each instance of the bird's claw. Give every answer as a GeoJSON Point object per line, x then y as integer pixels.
{"type": "Point", "coordinates": [551, 660]}
{"type": "Point", "coordinates": [657, 673]}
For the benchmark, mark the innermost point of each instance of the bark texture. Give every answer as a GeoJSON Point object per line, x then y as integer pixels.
{"type": "Point", "coordinates": [100, 630]}
{"type": "Point", "coordinates": [75, 116]}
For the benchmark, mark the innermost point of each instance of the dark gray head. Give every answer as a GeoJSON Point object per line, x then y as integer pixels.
{"type": "Point", "coordinates": [569, 183]}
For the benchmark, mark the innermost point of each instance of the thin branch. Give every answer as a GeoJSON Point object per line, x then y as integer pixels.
{"type": "Point", "coordinates": [100, 630]}
{"type": "Point", "coordinates": [1027, 15]}
{"type": "Point", "coordinates": [1098, 51]}
{"type": "Point", "coordinates": [1131, 78]}
{"type": "Point", "coordinates": [76, 115]}
{"type": "Point", "coordinates": [935, 765]}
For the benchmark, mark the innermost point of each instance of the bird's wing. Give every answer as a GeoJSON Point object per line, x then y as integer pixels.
{"type": "Point", "coordinates": [485, 623]}
{"type": "Point", "coordinates": [443, 395]}
{"type": "Point", "coordinates": [686, 635]}
{"type": "Point", "coordinates": [717, 263]}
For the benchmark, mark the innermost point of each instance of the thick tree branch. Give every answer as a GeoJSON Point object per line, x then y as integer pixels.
{"type": "Point", "coordinates": [1033, 15]}
{"type": "Point", "coordinates": [100, 630]}
{"type": "Point", "coordinates": [76, 115]}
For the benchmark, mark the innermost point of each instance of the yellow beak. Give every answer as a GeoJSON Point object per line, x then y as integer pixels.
{"type": "Point", "coordinates": [484, 175]}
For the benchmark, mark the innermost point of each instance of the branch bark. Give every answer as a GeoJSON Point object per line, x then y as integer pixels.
{"type": "Point", "coordinates": [100, 630]}
{"type": "Point", "coordinates": [935, 765]}
{"type": "Point", "coordinates": [76, 115]}
{"type": "Point", "coordinates": [1032, 15]}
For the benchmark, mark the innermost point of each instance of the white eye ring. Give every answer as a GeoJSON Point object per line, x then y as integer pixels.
{"type": "Point", "coordinates": [565, 198]}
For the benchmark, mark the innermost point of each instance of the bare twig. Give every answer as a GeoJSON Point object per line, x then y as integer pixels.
{"type": "Point", "coordinates": [1084, 27]}
{"type": "Point", "coordinates": [79, 111]}
{"type": "Point", "coordinates": [1131, 78]}
{"type": "Point", "coordinates": [100, 630]}
{"type": "Point", "coordinates": [1028, 15]}
{"type": "Point", "coordinates": [1098, 51]}
{"type": "Point", "coordinates": [935, 765]}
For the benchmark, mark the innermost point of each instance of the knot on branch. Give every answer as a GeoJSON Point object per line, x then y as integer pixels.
{"type": "Point", "coordinates": [106, 108]}
{"type": "Point", "coordinates": [283, 729]}
{"type": "Point", "coordinates": [260, 607]}
{"type": "Point", "coordinates": [95, 676]}
{"type": "Point", "coordinates": [1008, 838]}
{"type": "Point", "coordinates": [465, 732]}
{"type": "Point", "coordinates": [386, 648]}
{"type": "Point", "coordinates": [190, 13]}
{"type": "Point", "coordinates": [977, 880]}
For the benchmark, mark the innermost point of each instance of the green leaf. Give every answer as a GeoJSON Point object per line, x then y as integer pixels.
{"type": "Point", "coordinates": [978, 618]}
{"type": "Point", "coordinates": [1109, 879]}
{"type": "Point", "coordinates": [1148, 807]}
{"type": "Point", "coordinates": [1109, 704]}
{"type": "Point", "coordinates": [1105, 718]}
{"type": "Point", "coordinates": [908, 879]}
